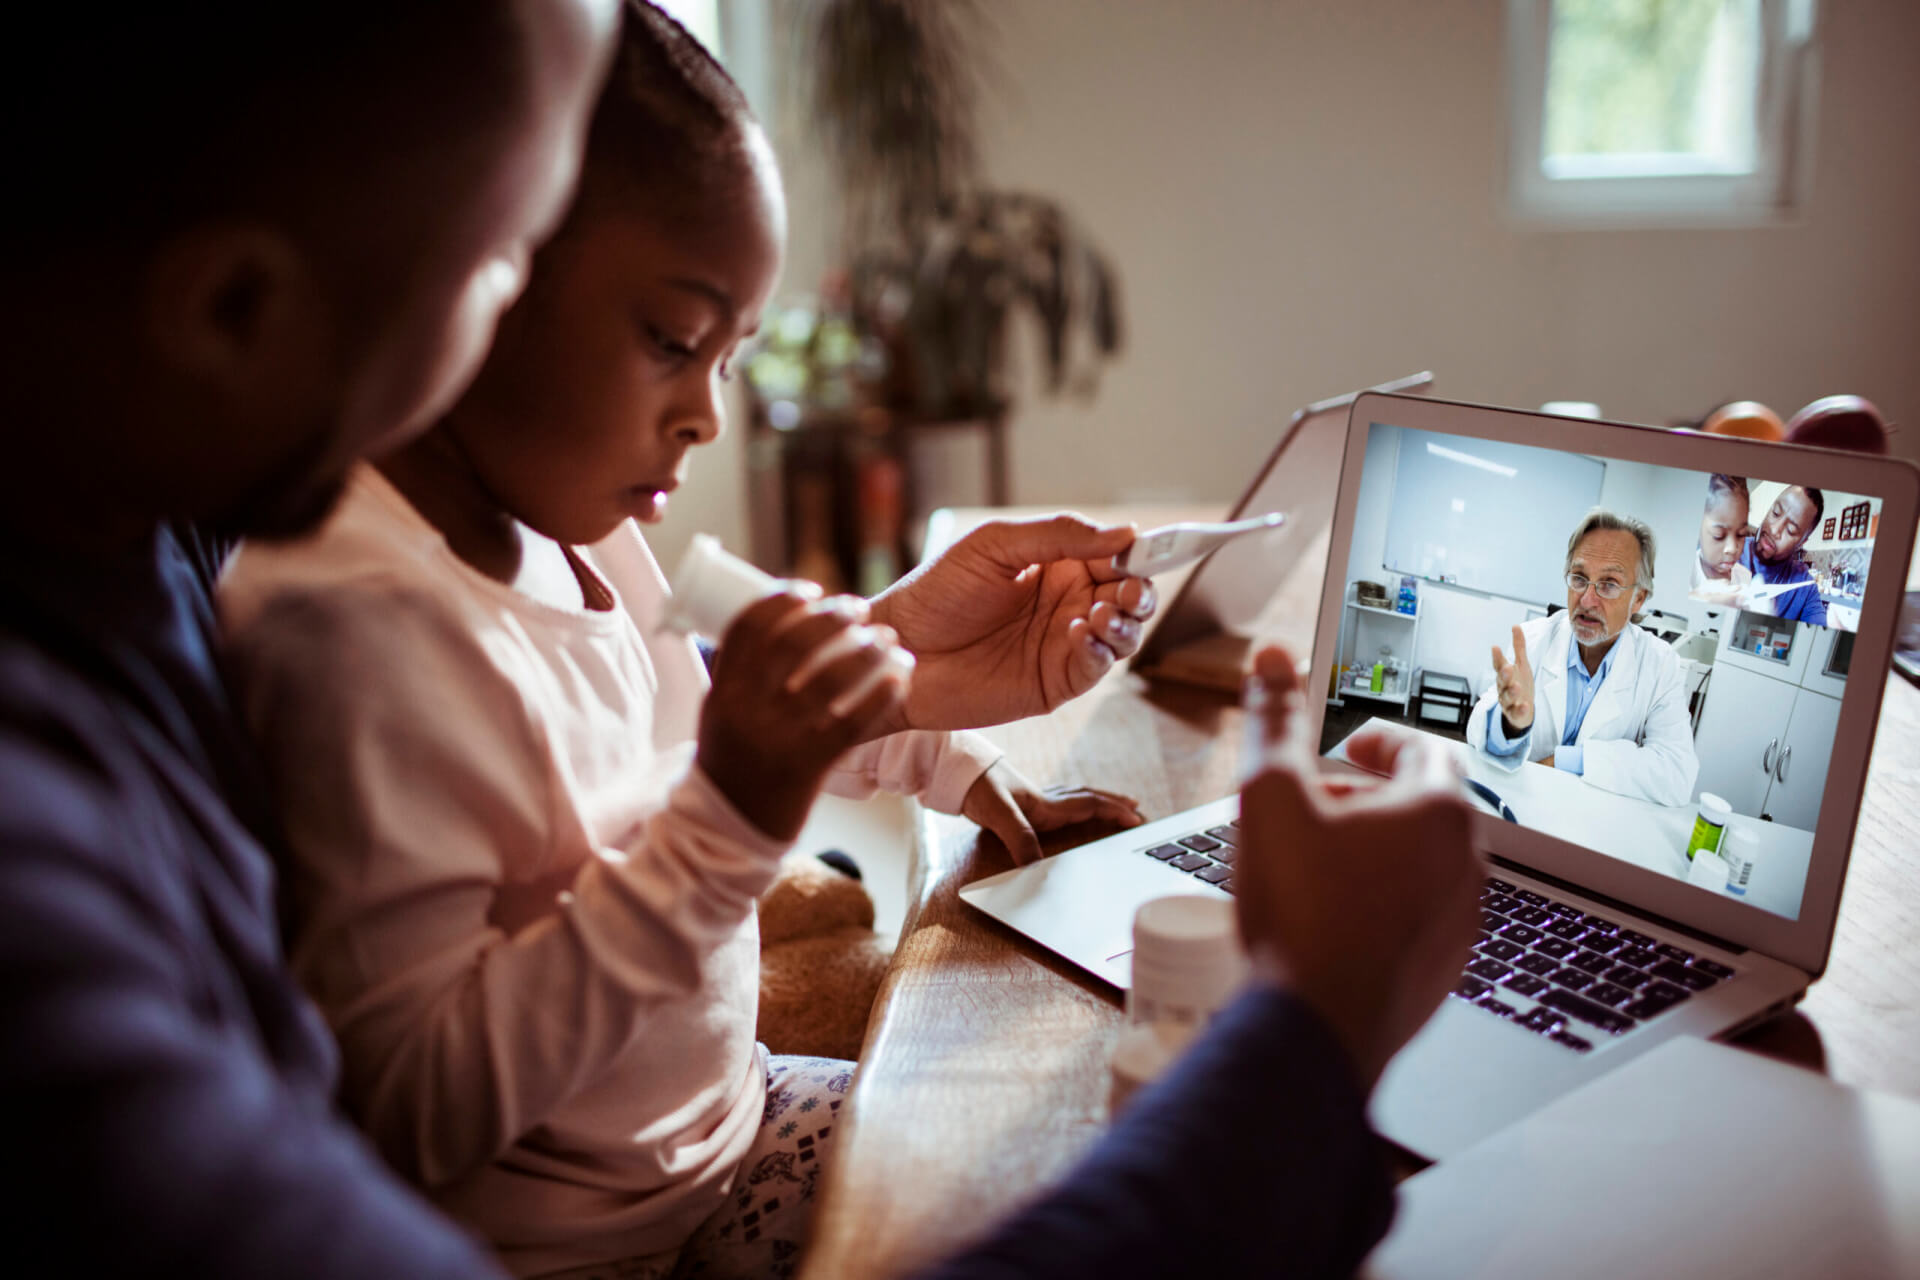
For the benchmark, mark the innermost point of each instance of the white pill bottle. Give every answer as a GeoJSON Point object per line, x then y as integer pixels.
{"type": "Point", "coordinates": [1187, 964]}
{"type": "Point", "coordinates": [712, 587]}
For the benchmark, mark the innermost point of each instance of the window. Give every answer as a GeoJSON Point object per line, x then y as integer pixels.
{"type": "Point", "coordinates": [1630, 112]}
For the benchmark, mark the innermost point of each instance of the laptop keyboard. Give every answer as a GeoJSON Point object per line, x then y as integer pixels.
{"type": "Point", "coordinates": [1574, 977]}
{"type": "Point", "coordinates": [1205, 855]}
{"type": "Point", "coordinates": [1547, 966]}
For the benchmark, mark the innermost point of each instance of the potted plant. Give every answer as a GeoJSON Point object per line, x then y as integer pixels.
{"type": "Point", "coordinates": [938, 263]}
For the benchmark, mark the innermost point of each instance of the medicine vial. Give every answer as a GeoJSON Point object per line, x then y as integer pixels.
{"type": "Point", "coordinates": [1709, 824]}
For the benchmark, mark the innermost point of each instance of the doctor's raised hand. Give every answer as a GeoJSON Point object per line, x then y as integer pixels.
{"type": "Point", "coordinates": [1014, 619]}
{"type": "Point", "coordinates": [1515, 682]}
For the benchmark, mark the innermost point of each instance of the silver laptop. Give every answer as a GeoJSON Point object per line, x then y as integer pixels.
{"type": "Point", "coordinates": [1596, 947]}
{"type": "Point", "coordinates": [1226, 595]}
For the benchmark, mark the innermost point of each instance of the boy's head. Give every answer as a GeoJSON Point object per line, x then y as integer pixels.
{"type": "Point", "coordinates": [608, 370]}
{"type": "Point", "coordinates": [1723, 525]}
{"type": "Point", "coordinates": [250, 242]}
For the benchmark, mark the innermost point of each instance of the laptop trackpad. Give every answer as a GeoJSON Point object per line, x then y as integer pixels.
{"type": "Point", "coordinates": [1080, 904]}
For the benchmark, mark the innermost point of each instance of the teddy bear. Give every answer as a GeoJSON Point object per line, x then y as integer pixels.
{"type": "Point", "coordinates": [820, 960]}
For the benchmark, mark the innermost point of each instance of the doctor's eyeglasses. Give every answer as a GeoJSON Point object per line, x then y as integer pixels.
{"type": "Point", "coordinates": [1606, 588]}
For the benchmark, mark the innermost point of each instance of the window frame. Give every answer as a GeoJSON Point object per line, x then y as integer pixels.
{"type": "Point", "coordinates": [1772, 193]}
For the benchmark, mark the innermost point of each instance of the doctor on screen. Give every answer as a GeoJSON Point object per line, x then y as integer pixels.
{"type": "Point", "coordinates": [1587, 692]}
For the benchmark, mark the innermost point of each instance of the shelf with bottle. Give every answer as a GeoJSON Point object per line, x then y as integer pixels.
{"type": "Point", "coordinates": [1371, 597]}
{"type": "Point", "coordinates": [1357, 680]}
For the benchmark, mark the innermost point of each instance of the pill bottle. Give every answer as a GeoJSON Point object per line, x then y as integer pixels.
{"type": "Point", "coordinates": [1738, 848]}
{"type": "Point", "coordinates": [1708, 871]}
{"type": "Point", "coordinates": [1708, 824]}
{"type": "Point", "coordinates": [1187, 963]}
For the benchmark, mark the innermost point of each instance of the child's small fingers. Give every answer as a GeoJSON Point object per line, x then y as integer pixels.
{"type": "Point", "coordinates": [853, 723]}
{"type": "Point", "coordinates": [833, 675]}
{"type": "Point", "coordinates": [805, 588]}
{"type": "Point", "coordinates": [1064, 806]}
{"type": "Point", "coordinates": [761, 620]}
{"type": "Point", "coordinates": [814, 638]}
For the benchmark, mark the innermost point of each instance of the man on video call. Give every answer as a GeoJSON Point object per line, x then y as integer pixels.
{"type": "Point", "coordinates": [1586, 691]}
{"type": "Point", "coordinates": [1772, 555]}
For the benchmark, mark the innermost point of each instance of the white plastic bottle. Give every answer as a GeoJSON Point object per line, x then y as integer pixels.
{"type": "Point", "coordinates": [1738, 848]}
{"type": "Point", "coordinates": [711, 588]}
{"type": "Point", "coordinates": [1187, 963]}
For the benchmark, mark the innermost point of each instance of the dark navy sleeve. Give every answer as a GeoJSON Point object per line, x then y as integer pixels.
{"type": "Point", "coordinates": [145, 1137]}
{"type": "Point", "coordinates": [1251, 1157]}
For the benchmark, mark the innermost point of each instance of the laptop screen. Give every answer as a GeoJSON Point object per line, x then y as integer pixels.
{"type": "Point", "coordinates": [1644, 661]}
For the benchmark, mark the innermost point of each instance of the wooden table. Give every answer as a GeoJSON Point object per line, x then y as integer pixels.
{"type": "Point", "coordinates": [984, 1074]}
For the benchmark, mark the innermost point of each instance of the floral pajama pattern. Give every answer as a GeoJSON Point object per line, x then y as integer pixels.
{"type": "Point", "coordinates": [759, 1233]}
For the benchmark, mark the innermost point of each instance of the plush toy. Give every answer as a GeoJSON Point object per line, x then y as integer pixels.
{"type": "Point", "coordinates": [820, 960]}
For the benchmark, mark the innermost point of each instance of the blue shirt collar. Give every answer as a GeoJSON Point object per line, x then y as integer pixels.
{"type": "Point", "coordinates": [1578, 669]}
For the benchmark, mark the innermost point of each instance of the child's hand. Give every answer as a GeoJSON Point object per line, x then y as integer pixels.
{"type": "Point", "coordinates": [1730, 590]}
{"type": "Point", "coordinates": [1007, 804]}
{"type": "Point", "coordinates": [770, 729]}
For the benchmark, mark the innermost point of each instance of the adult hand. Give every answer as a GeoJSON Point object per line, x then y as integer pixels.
{"type": "Point", "coordinates": [1360, 894]}
{"type": "Point", "coordinates": [1007, 804]}
{"type": "Point", "coordinates": [1515, 682]}
{"type": "Point", "coordinates": [1014, 619]}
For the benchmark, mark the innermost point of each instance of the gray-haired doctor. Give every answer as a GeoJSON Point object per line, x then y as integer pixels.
{"type": "Point", "coordinates": [1587, 692]}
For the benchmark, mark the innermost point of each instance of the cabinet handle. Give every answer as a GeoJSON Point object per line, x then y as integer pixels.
{"type": "Point", "coordinates": [1780, 774]}
{"type": "Point", "coordinates": [1766, 760]}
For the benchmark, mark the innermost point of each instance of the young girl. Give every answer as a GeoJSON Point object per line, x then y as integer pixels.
{"type": "Point", "coordinates": [1718, 576]}
{"type": "Point", "coordinates": [524, 837]}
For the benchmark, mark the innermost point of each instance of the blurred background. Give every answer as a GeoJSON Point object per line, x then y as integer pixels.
{"type": "Point", "coordinates": [1087, 252]}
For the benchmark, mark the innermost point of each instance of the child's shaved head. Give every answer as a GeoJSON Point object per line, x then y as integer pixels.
{"type": "Point", "coordinates": [670, 124]}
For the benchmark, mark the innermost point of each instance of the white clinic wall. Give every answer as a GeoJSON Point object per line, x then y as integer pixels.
{"type": "Point", "coordinates": [1458, 627]}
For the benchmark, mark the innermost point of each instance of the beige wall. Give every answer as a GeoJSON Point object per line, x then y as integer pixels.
{"type": "Point", "coordinates": [1304, 197]}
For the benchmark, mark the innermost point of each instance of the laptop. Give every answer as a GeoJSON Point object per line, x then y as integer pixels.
{"type": "Point", "coordinates": [1203, 634]}
{"type": "Point", "coordinates": [1596, 946]}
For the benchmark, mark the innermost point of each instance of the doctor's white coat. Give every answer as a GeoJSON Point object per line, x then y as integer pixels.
{"type": "Point", "coordinates": [1637, 738]}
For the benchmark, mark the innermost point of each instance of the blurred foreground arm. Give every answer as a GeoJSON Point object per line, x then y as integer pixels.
{"type": "Point", "coordinates": [1253, 1156]}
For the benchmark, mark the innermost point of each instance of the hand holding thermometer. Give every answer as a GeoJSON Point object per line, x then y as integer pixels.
{"type": "Point", "coordinates": [1174, 545]}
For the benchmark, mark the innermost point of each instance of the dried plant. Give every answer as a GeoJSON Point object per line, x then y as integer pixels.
{"type": "Point", "coordinates": [895, 85]}
{"type": "Point", "coordinates": [938, 263]}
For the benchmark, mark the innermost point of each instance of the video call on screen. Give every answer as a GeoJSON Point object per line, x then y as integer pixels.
{"type": "Point", "coordinates": [1652, 707]}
